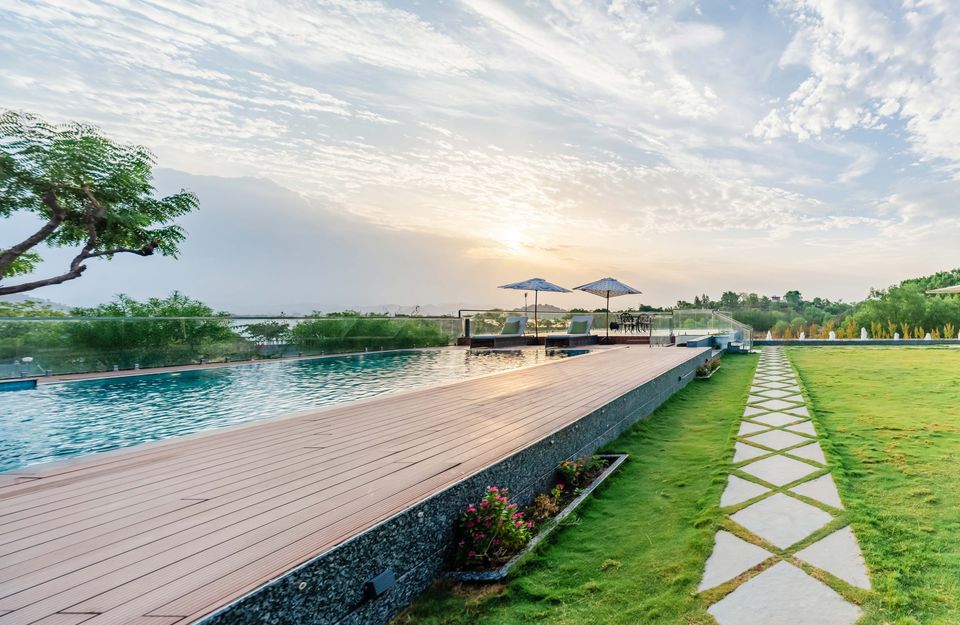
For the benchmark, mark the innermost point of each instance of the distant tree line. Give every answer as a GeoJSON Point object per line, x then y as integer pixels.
{"type": "Point", "coordinates": [903, 309]}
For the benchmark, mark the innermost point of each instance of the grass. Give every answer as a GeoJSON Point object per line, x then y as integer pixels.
{"type": "Point", "coordinates": [891, 417]}
{"type": "Point", "coordinates": [636, 553]}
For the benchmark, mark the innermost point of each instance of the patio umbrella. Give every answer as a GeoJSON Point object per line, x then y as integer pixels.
{"type": "Point", "coordinates": [608, 287]}
{"type": "Point", "coordinates": [536, 285]}
{"type": "Point", "coordinates": [944, 291]}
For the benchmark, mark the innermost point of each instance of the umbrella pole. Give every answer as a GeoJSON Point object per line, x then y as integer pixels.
{"type": "Point", "coordinates": [608, 316]}
{"type": "Point", "coordinates": [536, 329]}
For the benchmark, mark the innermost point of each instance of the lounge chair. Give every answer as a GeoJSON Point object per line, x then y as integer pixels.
{"type": "Point", "coordinates": [511, 335]}
{"type": "Point", "coordinates": [578, 333]}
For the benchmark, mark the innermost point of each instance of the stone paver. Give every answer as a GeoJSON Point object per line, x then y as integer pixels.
{"type": "Point", "coordinates": [804, 428]}
{"type": "Point", "coordinates": [784, 595]}
{"type": "Point", "coordinates": [809, 452]}
{"type": "Point", "coordinates": [778, 439]}
{"type": "Point", "coordinates": [782, 520]}
{"type": "Point", "coordinates": [778, 470]}
{"type": "Point", "coordinates": [822, 489]}
{"type": "Point", "coordinates": [775, 385]}
{"type": "Point", "coordinates": [776, 404]}
{"type": "Point", "coordinates": [746, 452]}
{"type": "Point", "coordinates": [775, 418]}
{"type": "Point", "coordinates": [839, 554]}
{"type": "Point", "coordinates": [775, 393]}
{"type": "Point", "coordinates": [747, 428]}
{"type": "Point", "coordinates": [731, 556]}
{"type": "Point", "coordinates": [739, 490]}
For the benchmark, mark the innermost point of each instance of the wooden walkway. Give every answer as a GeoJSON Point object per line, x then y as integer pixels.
{"type": "Point", "coordinates": [168, 532]}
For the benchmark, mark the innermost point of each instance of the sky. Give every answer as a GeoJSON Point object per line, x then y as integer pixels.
{"type": "Point", "coordinates": [352, 153]}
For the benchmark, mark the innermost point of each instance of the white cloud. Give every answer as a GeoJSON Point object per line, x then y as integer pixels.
{"type": "Point", "coordinates": [868, 67]}
{"type": "Point", "coordinates": [629, 127]}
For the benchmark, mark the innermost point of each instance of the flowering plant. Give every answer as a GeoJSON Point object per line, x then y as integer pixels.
{"type": "Point", "coordinates": [579, 472]}
{"type": "Point", "coordinates": [493, 530]}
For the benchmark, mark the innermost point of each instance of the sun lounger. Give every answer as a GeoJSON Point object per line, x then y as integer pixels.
{"type": "Point", "coordinates": [510, 336]}
{"type": "Point", "coordinates": [578, 333]}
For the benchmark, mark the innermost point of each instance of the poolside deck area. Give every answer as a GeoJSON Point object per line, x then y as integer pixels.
{"type": "Point", "coordinates": [171, 531]}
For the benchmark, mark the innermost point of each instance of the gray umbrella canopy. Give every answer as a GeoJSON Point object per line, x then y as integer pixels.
{"type": "Point", "coordinates": [944, 291]}
{"type": "Point", "coordinates": [536, 285]}
{"type": "Point", "coordinates": [608, 287]}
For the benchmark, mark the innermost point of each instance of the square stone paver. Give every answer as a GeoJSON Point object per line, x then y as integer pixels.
{"type": "Point", "coordinates": [809, 452]}
{"type": "Point", "coordinates": [746, 452]}
{"type": "Point", "coordinates": [784, 595]}
{"type": "Point", "coordinates": [804, 428]}
{"type": "Point", "coordinates": [776, 377]}
{"type": "Point", "coordinates": [778, 470]}
{"type": "Point", "coordinates": [747, 428]}
{"type": "Point", "coordinates": [778, 439]}
{"type": "Point", "coordinates": [839, 554]}
{"type": "Point", "coordinates": [781, 519]}
{"type": "Point", "coordinates": [739, 490]}
{"type": "Point", "coordinates": [776, 404]}
{"type": "Point", "coordinates": [775, 384]}
{"type": "Point", "coordinates": [775, 419]}
{"type": "Point", "coordinates": [800, 411]}
{"type": "Point", "coordinates": [756, 399]}
{"type": "Point", "coordinates": [775, 393]}
{"type": "Point", "coordinates": [822, 489]}
{"type": "Point", "coordinates": [750, 411]}
{"type": "Point", "coordinates": [731, 556]}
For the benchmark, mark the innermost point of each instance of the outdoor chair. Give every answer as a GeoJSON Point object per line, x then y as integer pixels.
{"type": "Point", "coordinates": [578, 333]}
{"type": "Point", "coordinates": [511, 335]}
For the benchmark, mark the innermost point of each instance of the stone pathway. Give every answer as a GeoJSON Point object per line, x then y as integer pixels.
{"type": "Point", "coordinates": [785, 533]}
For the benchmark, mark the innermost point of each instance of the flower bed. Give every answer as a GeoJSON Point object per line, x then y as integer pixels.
{"type": "Point", "coordinates": [706, 370]}
{"type": "Point", "coordinates": [495, 534]}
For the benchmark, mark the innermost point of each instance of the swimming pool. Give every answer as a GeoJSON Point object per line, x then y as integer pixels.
{"type": "Point", "coordinates": [56, 421]}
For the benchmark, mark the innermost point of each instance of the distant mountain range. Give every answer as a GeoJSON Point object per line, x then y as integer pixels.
{"type": "Point", "coordinates": [24, 297]}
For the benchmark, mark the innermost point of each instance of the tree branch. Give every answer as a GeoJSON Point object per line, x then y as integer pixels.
{"type": "Point", "coordinates": [36, 284]}
{"type": "Point", "coordinates": [95, 213]}
{"type": "Point", "coordinates": [57, 215]}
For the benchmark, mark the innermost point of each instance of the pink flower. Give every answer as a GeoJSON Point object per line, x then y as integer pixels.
{"type": "Point", "coordinates": [472, 554]}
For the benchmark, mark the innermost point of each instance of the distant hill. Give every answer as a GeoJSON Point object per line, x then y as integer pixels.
{"type": "Point", "coordinates": [544, 308]}
{"type": "Point", "coordinates": [39, 302]}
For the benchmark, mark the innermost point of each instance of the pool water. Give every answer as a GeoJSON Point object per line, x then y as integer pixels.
{"type": "Point", "coordinates": [56, 421]}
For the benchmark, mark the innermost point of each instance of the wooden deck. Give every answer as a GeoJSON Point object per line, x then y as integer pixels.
{"type": "Point", "coordinates": [168, 532]}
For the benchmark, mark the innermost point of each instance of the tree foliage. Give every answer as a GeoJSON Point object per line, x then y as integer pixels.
{"type": "Point", "coordinates": [89, 192]}
{"type": "Point", "coordinates": [905, 309]}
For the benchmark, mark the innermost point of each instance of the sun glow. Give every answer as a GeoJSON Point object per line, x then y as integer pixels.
{"type": "Point", "coordinates": [514, 240]}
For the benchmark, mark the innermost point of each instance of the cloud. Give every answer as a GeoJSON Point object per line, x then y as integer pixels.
{"type": "Point", "coordinates": [868, 67]}
{"type": "Point", "coordinates": [567, 134]}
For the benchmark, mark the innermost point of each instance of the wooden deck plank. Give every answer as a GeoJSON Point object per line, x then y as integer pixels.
{"type": "Point", "coordinates": [175, 529]}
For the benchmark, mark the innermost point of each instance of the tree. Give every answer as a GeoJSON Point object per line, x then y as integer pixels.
{"type": "Point", "coordinates": [793, 298]}
{"type": "Point", "coordinates": [89, 191]}
{"type": "Point", "coordinates": [159, 331]}
{"type": "Point", "coordinates": [729, 300]}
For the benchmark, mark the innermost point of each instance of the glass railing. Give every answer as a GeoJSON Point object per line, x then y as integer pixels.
{"type": "Point", "coordinates": [66, 345]}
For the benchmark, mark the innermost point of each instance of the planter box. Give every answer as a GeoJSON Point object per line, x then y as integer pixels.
{"type": "Point", "coordinates": [709, 375]}
{"type": "Point", "coordinates": [499, 574]}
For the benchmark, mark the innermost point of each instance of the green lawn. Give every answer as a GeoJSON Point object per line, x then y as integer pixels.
{"type": "Point", "coordinates": [891, 419]}
{"type": "Point", "coordinates": [636, 553]}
